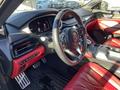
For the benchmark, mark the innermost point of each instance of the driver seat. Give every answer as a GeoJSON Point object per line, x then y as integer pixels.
{"type": "Point", "coordinates": [92, 76]}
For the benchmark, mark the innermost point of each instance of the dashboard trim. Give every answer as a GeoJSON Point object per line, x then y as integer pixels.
{"type": "Point", "coordinates": [24, 62]}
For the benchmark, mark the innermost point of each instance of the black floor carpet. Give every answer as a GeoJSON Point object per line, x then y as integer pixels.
{"type": "Point", "coordinates": [43, 78]}
{"type": "Point", "coordinates": [53, 75]}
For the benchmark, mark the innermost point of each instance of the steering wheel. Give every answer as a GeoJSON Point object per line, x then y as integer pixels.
{"type": "Point", "coordinates": [69, 42]}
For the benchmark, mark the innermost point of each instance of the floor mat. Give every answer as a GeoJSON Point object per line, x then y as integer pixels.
{"type": "Point", "coordinates": [43, 78]}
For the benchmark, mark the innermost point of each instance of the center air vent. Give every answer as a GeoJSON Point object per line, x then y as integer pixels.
{"type": "Point", "coordinates": [24, 46]}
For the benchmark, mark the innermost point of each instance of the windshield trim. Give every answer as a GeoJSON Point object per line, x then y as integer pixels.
{"type": "Point", "coordinates": [1, 3]}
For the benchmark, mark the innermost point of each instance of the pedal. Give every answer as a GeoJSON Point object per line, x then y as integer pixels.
{"type": "Point", "coordinates": [44, 60]}
{"type": "Point", "coordinates": [36, 65]}
{"type": "Point", "coordinates": [22, 80]}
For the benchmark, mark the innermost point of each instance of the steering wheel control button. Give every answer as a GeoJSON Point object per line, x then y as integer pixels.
{"type": "Point", "coordinates": [43, 39]}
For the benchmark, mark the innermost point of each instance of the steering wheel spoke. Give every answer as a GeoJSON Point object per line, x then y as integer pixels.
{"type": "Point", "coordinates": [73, 56]}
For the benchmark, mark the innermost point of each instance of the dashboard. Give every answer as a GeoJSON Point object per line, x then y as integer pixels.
{"type": "Point", "coordinates": [23, 47]}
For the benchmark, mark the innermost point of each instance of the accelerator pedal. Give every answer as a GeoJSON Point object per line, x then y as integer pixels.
{"type": "Point", "coordinates": [22, 80]}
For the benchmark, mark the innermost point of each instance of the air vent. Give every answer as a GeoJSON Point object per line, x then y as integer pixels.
{"type": "Point", "coordinates": [24, 46]}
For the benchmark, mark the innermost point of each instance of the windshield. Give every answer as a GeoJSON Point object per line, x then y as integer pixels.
{"type": "Point", "coordinates": [29, 5]}
{"type": "Point", "coordinates": [58, 4]}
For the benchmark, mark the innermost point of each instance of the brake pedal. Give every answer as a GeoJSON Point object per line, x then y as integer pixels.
{"type": "Point", "coordinates": [22, 80]}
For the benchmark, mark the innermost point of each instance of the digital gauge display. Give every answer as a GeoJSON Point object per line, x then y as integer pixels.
{"type": "Point", "coordinates": [39, 25]}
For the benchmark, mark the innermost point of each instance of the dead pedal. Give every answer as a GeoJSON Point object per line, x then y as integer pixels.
{"type": "Point", "coordinates": [22, 80]}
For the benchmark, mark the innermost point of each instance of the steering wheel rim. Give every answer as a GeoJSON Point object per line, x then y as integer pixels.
{"type": "Point", "coordinates": [56, 41]}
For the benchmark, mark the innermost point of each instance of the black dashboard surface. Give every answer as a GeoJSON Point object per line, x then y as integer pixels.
{"type": "Point", "coordinates": [18, 20]}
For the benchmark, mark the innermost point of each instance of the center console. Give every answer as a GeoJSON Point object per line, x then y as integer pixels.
{"type": "Point", "coordinates": [106, 53]}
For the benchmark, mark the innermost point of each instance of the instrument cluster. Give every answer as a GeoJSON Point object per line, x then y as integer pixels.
{"type": "Point", "coordinates": [41, 25]}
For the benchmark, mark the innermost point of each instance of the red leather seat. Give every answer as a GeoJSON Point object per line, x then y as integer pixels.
{"type": "Point", "coordinates": [91, 76]}
{"type": "Point", "coordinates": [113, 42]}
